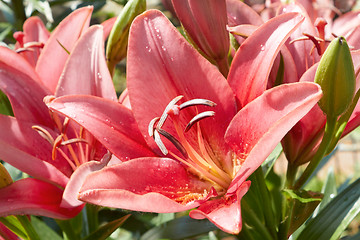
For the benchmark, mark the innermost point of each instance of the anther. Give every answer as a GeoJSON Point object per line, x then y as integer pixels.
{"type": "Point", "coordinates": [195, 102]}
{"type": "Point", "coordinates": [198, 118]}
{"type": "Point", "coordinates": [171, 104]}
{"type": "Point", "coordinates": [159, 142]}
{"type": "Point", "coordinates": [44, 133]}
{"type": "Point", "coordinates": [151, 126]}
{"type": "Point", "coordinates": [74, 140]}
{"type": "Point", "coordinates": [174, 141]}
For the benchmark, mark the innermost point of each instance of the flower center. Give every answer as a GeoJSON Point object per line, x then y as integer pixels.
{"type": "Point", "coordinates": [195, 154]}
{"type": "Point", "coordinates": [73, 146]}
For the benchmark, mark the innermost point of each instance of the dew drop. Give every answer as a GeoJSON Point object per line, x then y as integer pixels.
{"type": "Point", "coordinates": [163, 48]}
{"type": "Point", "coordinates": [262, 47]}
{"type": "Point", "coordinates": [105, 139]}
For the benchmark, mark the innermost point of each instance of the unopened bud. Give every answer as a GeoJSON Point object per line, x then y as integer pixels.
{"type": "Point", "coordinates": [336, 76]}
{"type": "Point", "coordinates": [118, 39]}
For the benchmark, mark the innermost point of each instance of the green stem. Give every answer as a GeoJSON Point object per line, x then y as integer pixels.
{"type": "Point", "coordinates": [291, 174]}
{"type": "Point", "coordinates": [92, 217]}
{"type": "Point", "coordinates": [267, 206]}
{"type": "Point", "coordinates": [285, 224]}
{"type": "Point", "coordinates": [330, 130]}
{"type": "Point", "coordinates": [29, 229]}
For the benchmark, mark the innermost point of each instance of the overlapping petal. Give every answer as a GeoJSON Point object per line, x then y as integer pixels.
{"type": "Point", "coordinates": [110, 122]}
{"type": "Point", "coordinates": [32, 196]}
{"type": "Point", "coordinates": [53, 57]}
{"type": "Point", "coordinates": [254, 140]}
{"type": "Point", "coordinates": [92, 76]}
{"type": "Point", "coordinates": [260, 49]}
{"type": "Point", "coordinates": [171, 67]}
{"type": "Point", "coordinates": [32, 39]}
{"type": "Point", "coordinates": [159, 185]}
{"type": "Point", "coordinates": [22, 86]}
{"type": "Point", "coordinates": [224, 212]}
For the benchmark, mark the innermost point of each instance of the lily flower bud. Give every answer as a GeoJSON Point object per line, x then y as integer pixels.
{"type": "Point", "coordinates": [205, 24]}
{"type": "Point", "coordinates": [118, 39]}
{"type": "Point", "coordinates": [336, 76]}
{"type": "Point", "coordinates": [5, 178]}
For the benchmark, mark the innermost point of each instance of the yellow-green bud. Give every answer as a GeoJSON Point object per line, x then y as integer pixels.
{"type": "Point", "coordinates": [118, 39]}
{"type": "Point", "coordinates": [5, 178]}
{"type": "Point", "coordinates": [336, 76]}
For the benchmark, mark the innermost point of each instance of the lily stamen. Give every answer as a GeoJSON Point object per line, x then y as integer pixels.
{"type": "Point", "coordinates": [174, 141]}
{"type": "Point", "coordinates": [44, 133]}
{"type": "Point", "coordinates": [197, 118]}
{"type": "Point", "coordinates": [200, 162]}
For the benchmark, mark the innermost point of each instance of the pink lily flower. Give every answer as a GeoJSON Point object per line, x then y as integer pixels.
{"type": "Point", "coordinates": [305, 50]}
{"type": "Point", "coordinates": [43, 144]}
{"type": "Point", "coordinates": [177, 155]}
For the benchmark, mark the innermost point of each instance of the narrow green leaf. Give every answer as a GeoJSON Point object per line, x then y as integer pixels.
{"type": "Point", "coordinates": [329, 190]}
{"type": "Point", "coordinates": [106, 230]}
{"type": "Point", "coordinates": [333, 219]}
{"type": "Point", "coordinates": [14, 225]}
{"type": "Point", "coordinates": [179, 228]}
{"type": "Point", "coordinates": [44, 231]}
{"type": "Point", "coordinates": [30, 231]}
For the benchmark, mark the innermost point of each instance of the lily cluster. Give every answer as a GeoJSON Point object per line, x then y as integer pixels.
{"type": "Point", "coordinates": [197, 119]}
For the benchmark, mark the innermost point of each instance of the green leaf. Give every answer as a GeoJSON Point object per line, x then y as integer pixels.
{"type": "Point", "coordinates": [179, 228]}
{"type": "Point", "coordinates": [303, 196]}
{"type": "Point", "coordinates": [106, 230]}
{"type": "Point", "coordinates": [44, 230]}
{"type": "Point", "coordinates": [14, 225]}
{"type": "Point", "coordinates": [335, 217]}
{"type": "Point", "coordinates": [304, 205]}
{"type": "Point", "coordinates": [329, 190]}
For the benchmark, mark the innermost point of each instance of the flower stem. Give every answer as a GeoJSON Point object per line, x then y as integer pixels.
{"type": "Point", "coordinates": [92, 217]}
{"type": "Point", "coordinates": [330, 130]}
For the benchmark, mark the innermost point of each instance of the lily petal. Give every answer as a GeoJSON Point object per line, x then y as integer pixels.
{"type": "Point", "coordinates": [245, 77]}
{"type": "Point", "coordinates": [240, 13]}
{"type": "Point", "coordinates": [23, 148]}
{"type": "Point", "coordinates": [92, 76]}
{"type": "Point", "coordinates": [76, 181]}
{"type": "Point", "coordinates": [171, 67]}
{"type": "Point", "coordinates": [36, 32]}
{"type": "Point", "coordinates": [253, 140]}
{"type": "Point", "coordinates": [154, 187]}
{"type": "Point", "coordinates": [53, 57]}
{"type": "Point", "coordinates": [35, 197]}
{"type": "Point", "coordinates": [225, 213]}
{"type": "Point", "coordinates": [21, 85]}
{"type": "Point", "coordinates": [109, 122]}
{"type": "Point", "coordinates": [108, 24]}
